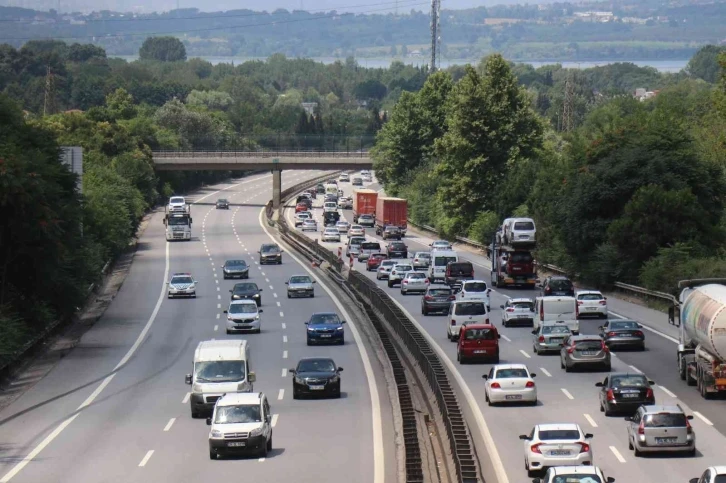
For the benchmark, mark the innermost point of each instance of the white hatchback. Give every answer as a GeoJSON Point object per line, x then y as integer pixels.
{"type": "Point", "coordinates": [550, 445]}
{"type": "Point", "coordinates": [591, 302]}
{"type": "Point", "coordinates": [330, 235]}
{"type": "Point", "coordinates": [475, 290]}
{"type": "Point", "coordinates": [414, 282]}
{"type": "Point", "coordinates": [462, 312]}
{"type": "Point", "coordinates": [510, 383]}
{"type": "Point", "coordinates": [342, 226]}
{"type": "Point", "coordinates": [243, 315]}
{"type": "Point", "coordinates": [384, 269]}
{"type": "Point", "coordinates": [356, 230]}
{"type": "Point", "coordinates": [398, 272]}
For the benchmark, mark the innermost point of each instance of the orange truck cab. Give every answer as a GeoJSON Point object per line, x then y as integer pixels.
{"type": "Point", "coordinates": [478, 341]}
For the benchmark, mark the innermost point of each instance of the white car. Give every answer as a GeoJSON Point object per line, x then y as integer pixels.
{"type": "Point", "coordinates": [243, 315]}
{"type": "Point", "coordinates": [367, 178]}
{"type": "Point", "coordinates": [241, 423]}
{"type": "Point", "coordinates": [518, 311]}
{"type": "Point", "coordinates": [441, 245]}
{"type": "Point", "coordinates": [414, 282]}
{"type": "Point", "coordinates": [398, 272]}
{"type": "Point", "coordinates": [549, 445]}
{"type": "Point", "coordinates": [182, 285]}
{"type": "Point", "coordinates": [384, 269]}
{"type": "Point", "coordinates": [331, 235]}
{"type": "Point", "coordinates": [330, 206]}
{"type": "Point", "coordinates": [462, 312]}
{"type": "Point", "coordinates": [713, 474]}
{"type": "Point", "coordinates": [508, 383]}
{"type": "Point", "coordinates": [574, 474]}
{"type": "Point", "coordinates": [591, 302]}
{"type": "Point", "coordinates": [178, 204]}
{"type": "Point", "coordinates": [342, 226]}
{"type": "Point", "coordinates": [356, 230]}
{"type": "Point", "coordinates": [310, 225]}
{"type": "Point", "coordinates": [344, 177]}
{"type": "Point", "coordinates": [301, 217]}
{"type": "Point", "coordinates": [475, 290]}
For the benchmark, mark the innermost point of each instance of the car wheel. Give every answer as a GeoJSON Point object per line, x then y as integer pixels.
{"type": "Point", "coordinates": [459, 359]}
{"type": "Point", "coordinates": [505, 323]}
{"type": "Point", "coordinates": [691, 453]}
{"type": "Point", "coordinates": [229, 331]}
{"type": "Point", "coordinates": [390, 284]}
{"type": "Point", "coordinates": [263, 451]}
{"type": "Point", "coordinates": [309, 343]}
{"type": "Point", "coordinates": [312, 295]}
{"type": "Point", "coordinates": [562, 364]}
{"type": "Point", "coordinates": [495, 359]}
{"type": "Point", "coordinates": [258, 331]}
{"type": "Point", "coordinates": [636, 452]}
{"type": "Point", "coordinates": [630, 445]}
{"type": "Point", "coordinates": [342, 342]}
{"type": "Point", "coordinates": [212, 455]}
{"type": "Point", "coordinates": [279, 262]}
{"type": "Point", "coordinates": [448, 335]}
{"type": "Point", "coordinates": [642, 347]}
{"type": "Point", "coordinates": [195, 414]}
{"type": "Point", "coordinates": [424, 311]}
{"type": "Point", "coordinates": [224, 276]}
{"type": "Point", "coordinates": [567, 368]}
{"type": "Point", "coordinates": [295, 394]}
{"type": "Point", "coordinates": [289, 296]}
{"type": "Point", "coordinates": [608, 367]}
{"type": "Point", "coordinates": [602, 410]}
{"type": "Point", "coordinates": [269, 444]}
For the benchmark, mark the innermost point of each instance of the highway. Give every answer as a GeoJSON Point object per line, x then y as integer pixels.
{"type": "Point", "coordinates": [565, 397]}
{"type": "Point", "coordinates": [116, 409]}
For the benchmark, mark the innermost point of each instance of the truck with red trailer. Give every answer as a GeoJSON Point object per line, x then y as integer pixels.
{"type": "Point", "coordinates": [391, 212]}
{"type": "Point", "coordinates": [364, 203]}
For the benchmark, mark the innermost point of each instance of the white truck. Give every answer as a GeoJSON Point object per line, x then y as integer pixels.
{"type": "Point", "coordinates": [700, 311]}
{"type": "Point", "coordinates": [178, 224]}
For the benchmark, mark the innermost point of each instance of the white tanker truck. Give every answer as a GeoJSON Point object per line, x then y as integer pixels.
{"type": "Point", "coordinates": [700, 310]}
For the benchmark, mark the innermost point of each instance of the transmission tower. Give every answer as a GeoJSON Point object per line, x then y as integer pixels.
{"type": "Point", "coordinates": [49, 105]}
{"type": "Point", "coordinates": [435, 32]}
{"type": "Point", "coordinates": [567, 120]}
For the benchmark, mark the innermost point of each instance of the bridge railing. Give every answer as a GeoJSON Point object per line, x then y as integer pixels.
{"type": "Point", "coordinates": [260, 154]}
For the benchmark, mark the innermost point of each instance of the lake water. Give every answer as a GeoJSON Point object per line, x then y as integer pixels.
{"type": "Point", "coordinates": [661, 65]}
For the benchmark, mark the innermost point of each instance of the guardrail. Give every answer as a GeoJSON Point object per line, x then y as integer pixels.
{"type": "Point", "coordinates": [395, 323]}
{"type": "Point", "coordinates": [261, 154]}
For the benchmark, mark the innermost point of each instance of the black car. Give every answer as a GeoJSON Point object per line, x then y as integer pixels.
{"type": "Point", "coordinates": [623, 333]}
{"type": "Point", "coordinates": [625, 393]}
{"type": "Point", "coordinates": [397, 250]}
{"type": "Point", "coordinates": [330, 218]}
{"type": "Point", "coordinates": [557, 285]}
{"type": "Point", "coordinates": [315, 376]}
{"type": "Point", "coordinates": [320, 188]}
{"type": "Point", "coordinates": [331, 197]}
{"type": "Point", "coordinates": [235, 269]}
{"type": "Point", "coordinates": [390, 232]}
{"type": "Point", "coordinates": [437, 299]}
{"type": "Point", "coordinates": [222, 204]}
{"type": "Point", "coordinates": [270, 253]}
{"type": "Point", "coordinates": [357, 182]}
{"type": "Point", "coordinates": [247, 290]}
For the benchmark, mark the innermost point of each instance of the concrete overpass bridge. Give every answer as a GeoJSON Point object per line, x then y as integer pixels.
{"type": "Point", "coordinates": [274, 161]}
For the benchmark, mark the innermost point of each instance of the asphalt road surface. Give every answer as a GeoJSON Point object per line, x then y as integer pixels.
{"type": "Point", "coordinates": [116, 408]}
{"type": "Point", "coordinates": [570, 397]}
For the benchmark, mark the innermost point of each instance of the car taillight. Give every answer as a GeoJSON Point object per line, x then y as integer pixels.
{"type": "Point", "coordinates": [548, 289]}
{"type": "Point", "coordinates": [579, 302]}
{"type": "Point", "coordinates": [641, 428]}
{"type": "Point", "coordinates": [495, 385]}
{"type": "Point", "coordinates": [452, 297]}
{"type": "Point", "coordinates": [612, 334]}
{"type": "Point", "coordinates": [689, 429]}
{"type": "Point", "coordinates": [415, 259]}
{"type": "Point", "coordinates": [405, 281]}
{"type": "Point", "coordinates": [571, 349]}
{"type": "Point", "coordinates": [529, 384]}
{"type": "Point", "coordinates": [428, 297]}
{"type": "Point", "coordinates": [426, 280]}
{"type": "Point", "coordinates": [541, 338]}
{"type": "Point", "coordinates": [453, 322]}
{"type": "Point", "coordinates": [649, 394]}
{"type": "Point", "coordinates": [541, 311]}
{"type": "Point", "coordinates": [611, 395]}
{"type": "Point", "coordinates": [535, 448]}
{"type": "Point", "coordinates": [510, 309]}
{"type": "Point", "coordinates": [604, 347]}
{"type": "Point", "coordinates": [584, 447]}
{"type": "Point", "coordinates": [577, 310]}
{"type": "Point", "coordinates": [638, 333]}
{"type": "Point", "coordinates": [487, 320]}
{"type": "Point", "coordinates": [603, 302]}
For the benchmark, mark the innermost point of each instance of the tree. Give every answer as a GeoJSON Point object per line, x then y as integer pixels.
{"type": "Point", "coordinates": [370, 89]}
{"type": "Point", "coordinates": [163, 49]}
{"type": "Point", "coordinates": [704, 64]}
{"type": "Point", "coordinates": [213, 100]}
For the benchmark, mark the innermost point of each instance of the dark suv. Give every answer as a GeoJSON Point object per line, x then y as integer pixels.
{"type": "Point", "coordinates": [557, 285]}
{"type": "Point", "coordinates": [270, 253]}
{"type": "Point", "coordinates": [222, 204]}
{"type": "Point", "coordinates": [397, 249]}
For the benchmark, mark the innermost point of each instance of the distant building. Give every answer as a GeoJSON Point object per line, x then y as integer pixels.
{"type": "Point", "coordinates": [592, 16]}
{"type": "Point", "coordinates": [642, 94]}
{"type": "Point", "coordinates": [635, 20]}
{"type": "Point", "coordinates": [309, 107]}
{"type": "Point", "coordinates": [72, 156]}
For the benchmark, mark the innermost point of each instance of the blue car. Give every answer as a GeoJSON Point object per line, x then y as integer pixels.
{"type": "Point", "coordinates": [325, 328]}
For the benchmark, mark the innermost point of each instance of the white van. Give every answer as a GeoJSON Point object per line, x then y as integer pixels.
{"type": "Point", "coordinates": [220, 366]}
{"type": "Point", "coordinates": [439, 260]}
{"type": "Point", "coordinates": [463, 312]}
{"type": "Point", "coordinates": [330, 206]}
{"type": "Point", "coordinates": [558, 310]}
{"type": "Point", "coordinates": [521, 231]}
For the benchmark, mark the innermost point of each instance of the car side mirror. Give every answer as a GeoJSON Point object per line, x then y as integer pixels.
{"type": "Point", "coordinates": [537, 480]}
{"type": "Point", "coordinates": [209, 421]}
{"type": "Point", "coordinates": [307, 323]}
{"type": "Point", "coordinates": [651, 382]}
{"type": "Point", "coordinates": [260, 290]}
{"type": "Point", "coordinates": [291, 371]}
{"type": "Point", "coordinates": [693, 480]}
{"type": "Point", "coordinates": [598, 384]}
{"type": "Point", "coordinates": [588, 435]}
{"type": "Point", "coordinates": [260, 311]}
{"type": "Point", "coordinates": [640, 326]}
{"type": "Point", "coordinates": [534, 332]}
{"type": "Point", "coordinates": [628, 418]}
{"type": "Point", "coordinates": [689, 417]}
{"type": "Point", "coordinates": [485, 377]}
{"type": "Point", "coordinates": [533, 375]}
{"type": "Point", "coordinates": [230, 291]}
{"type": "Point", "coordinates": [610, 479]}
{"type": "Point", "coordinates": [524, 437]}
{"type": "Point", "coordinates": [188, 379]}
{"type": "Point", "coordinates": [499, 336]}
{"type": "Point", "coordinates": [225, 312]}
{"type": "Point", "coordinates": [501, 307]}
{"type": "Point", "coordinates": [259, 251]}
{"type": "Point", "coordinates": [315, 281]}
{"type": "Point", "coordinates": [282, 251]}
{"type": "Point", "coordinates": [190, 221]}
{"type": "Point", "coordinates": [602, 327]}
{"type": "Point", "coordinates": [287, 283]}
{"type": "Point", "coordinates": [252, 377]}
{"type": "Point", "coordinates": [342, 322]}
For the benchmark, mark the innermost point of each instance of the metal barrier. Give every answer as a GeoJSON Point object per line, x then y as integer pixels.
{"type": "Point", "coordinates": [261, 154]}
{"type": "Point", "coordinates": [644, 292]}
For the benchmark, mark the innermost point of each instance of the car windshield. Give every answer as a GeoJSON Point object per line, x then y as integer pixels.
{"type": "Point", "coordinates": [475, 287]}
{"type": "Point", "coordinates": [301, 279]}
{"type": "Point", "coordinates": [316, 365]}
{"type": "Point", "coordinates": [370, 246]}
{"type": "Point", "coordinates": [176, 200]}
{"type": "Point", "coordinates": [245, 287]}
{"type": "Point", "coordinates": [423, 255]}
{"type": "Point", "coordinates": [238, 414]}
{"type": "Point", "coordinates": [270, 249]}
{"type": "Point", "coordinates": [589, 345]}
{"type": "Point", "coordinates": [219, 371]}
{"type": "Point", "coordinates": [665, 420]}
{"type": "Point", "coordinates": [479, 334]}
{"type": "Point", "coordinates": [524, 225]}
{"type": "Point", "coordinates": [388, 263]}
{"type": "Point", "coordinates": [550, 434]}
{"type": "Point", "coordinates": [398, 246]}
{"type": "Point", "coordinates": [235, 263]}
{"type": "Point", "coordinates": [178, 221]}
{"type": "Point", "coordinates": [440, 291]}
{"type": "Point", "coordinates": [470, 308]}
{"type": "Point", "coordinates": [578, 478]}
{"type": "Point", "coordinates": [523, 305]}
{"type": "Point", "coordinates": [182, 280]}
{"type": "Point", "coordinates": [325, 319]}
{"type": "Point", "coordinates": [509, 373]}
{"type": "Point", "coordinates": [555, 329]}
{"type": "Point", "coordinates": [441, 243]}
{"type": "Point", "coordinates": [623, 325]}
{"type": "Point", "coordinates": [560, 285]}
{"type": "Point", "coordinates": [590, 296]}
{"type": "Point", "coordinates": [520, 257]}
{"type": "Point", "coordinates": [443, 261]}
{"type": "Point", "coordinates": [332, 230]}
{"type": "Point", "coordinates": [416, 275]}
{"type": "Point", "coordinates": [628, 381]}
{"type": "Point", "coordinates": [221, 200]}
{"type": "Point", "coordinates": [243, 308]}
{"type": "Point", "coordinates": [356, 240]}
{"type": "Point", "coordinates": [403, 268]}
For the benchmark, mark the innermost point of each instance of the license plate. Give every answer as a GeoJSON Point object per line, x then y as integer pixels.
{"type": "Point", "coordinates": [557, 340]}
{"type": "Point", "coordinates": [590, 308]}
{"type": "Point", "coordinates": [630, 396]}
{"type": "Point", "coordinates": [560, 452]}
{"type": "Point", "coordinates": [480, 352]}
{"type": "Point", "coordinates": [236, 445]}
{"type": "Point", "coordinates": [523, 316]}
{"type": "Point", "coordinates": [317, 388]}
{"type": "Point", "coordinates": [665, 440]}
{"type": "Point", "coordinates": [326, 335]}
{"type": "Point", "coordinates": [588, 353]}
{"type": "Point", "coordinates": [516, 396]}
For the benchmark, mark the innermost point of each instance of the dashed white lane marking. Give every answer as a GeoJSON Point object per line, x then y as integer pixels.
{"type": "Point", "coordinates": [216, 327]}
{"type": "Point", "coordinates": [216, 281]}
{"type": "Point", "coordinates": [219, 297]}
{"type": "Point", "coordinates": [217, 289]}
{"type": "Point", "coordinates": [271, 287]}
{"type": "Point", "coordinates": [545, 371]}
{"type": "Point", "coordinates": [506, 338]}
{"type": "Point", "coordinates": [278, 304]}
{"type": "Point", "coordinates": [169, 424]}
{"type": "Point", "coordinates": [284, 339]}
{"type": "Point", "coordinates": [263, 274]}
{"type": "Point", "coordinates": [282, 314]}
{"type": "Point", "coordinates": [219, 306]}
{"type": "Point", "coordinates": [268, 281]}
{"type": "Point", "coordinates": [280, 394]}
{"type": "Point", "coordinates": [218, 316]}
{"type": "Point", "coordinates": [284, 325]}
{"type": "Point", "coordinates": [274, 419]}
{"type": "Point", "coordinates": [284, 354]}
{"type": "Point", "coordinates": [703, 418]}
{"type": "Point", "coordinates": [146, 458]}
{"type": "Point", "coordinates": [284, 372]}
{"type": "Point", "coordinates": [275, 295]}
{"type": "Point", "coordinates": [215, 276]}
{"type": "Point", "coordinates": [636, 369]}
{"type": "Point", "coordinates": [186, 398]}
{"type": "Point", "coordinates": [261, 460]}
{"type": "Point", "coordinates": [525, 354]}
{"type": "Point", "coordinates": [567, 393]}
{"type": "Point", "coordinates": [667, 391]}
{"type": "Point", "coordinates": [617, 454]}
{"type": "Point", "coordinates": [590, 420]}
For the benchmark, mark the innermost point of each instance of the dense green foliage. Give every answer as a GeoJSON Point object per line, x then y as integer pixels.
{"type": "Point", "coordinates": [163, 49]}
{"type": "Point", "coordinates": [634, 192]}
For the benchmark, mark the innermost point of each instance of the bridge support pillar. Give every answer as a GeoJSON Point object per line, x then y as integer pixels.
{"type": "Point", "coordinates": [276, 188]}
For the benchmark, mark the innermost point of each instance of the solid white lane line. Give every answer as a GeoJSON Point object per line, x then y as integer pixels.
{"type": "Point", "coordinates": [216, 327]}
{"type": "Point", "coordinates": [284, 339]}
{"type": "Point", "coordinates": [703, 418]}
{"type": "Point", "coordinates": [591, 421]}
{"type": "Point", "coordinates": [667, 391]}
{"type": "Point", "coordinates": [567, 393]}
{"type": "Point", "coordinates": [146, 458]}
{"type": "Point", "coordinates": [261, 460]}
{"type": "Point", "coordinates": [280, 394]}
{"type": "Point", "coordinates": [186, 398]}
{"type": "Point", "coordinates": [274, 420]}
{"type": "Point", "coordinates": [525, 354]}
{"type": "Point", "coordinates": [636, 369]}
{"type": "Point", "coordinates": [284, 354]}
{"type": "Point", "coordinates": [545, 371]}
{"type": "Point", "coordinates": [284, 372]}
{"type": "Point", "coordinates": [650, 329]}
{"type": "Point", "coordinates": [506, 338]}
{"type": "Point", "coordinates": [284, 326]}
{"type": "Point", "coordinates": [169, 424]}
{"type": "Point", "coordinates": [617, 454]}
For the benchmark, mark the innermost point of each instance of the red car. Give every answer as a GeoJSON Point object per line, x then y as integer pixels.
{"type": "Point", "coordinates": [301, 207]}
{"type": "Point", "coordinates": [374, 261]}
{"type": "Point", "coordinates": [478, 341]}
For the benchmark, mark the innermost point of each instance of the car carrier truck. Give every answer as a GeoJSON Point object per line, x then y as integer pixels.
{"type": "Point", "coordinates": [511, 265]}
{"type": "Point", "coordinates": [700, 311]}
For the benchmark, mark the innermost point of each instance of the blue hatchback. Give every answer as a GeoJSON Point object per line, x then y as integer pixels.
{"type": "Point", "coordinates": [325, 328]}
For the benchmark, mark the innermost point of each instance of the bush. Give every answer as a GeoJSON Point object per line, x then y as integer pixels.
{"type": "Point", "coordinates": [484, 226]}
{"type": "Point", "coordinates": [679, 262]}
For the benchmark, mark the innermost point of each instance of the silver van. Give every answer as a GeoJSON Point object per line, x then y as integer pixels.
{"type": "Point", "coordinates": [353, 246]}
{"type": "Point", "coordinates": [367, 249]}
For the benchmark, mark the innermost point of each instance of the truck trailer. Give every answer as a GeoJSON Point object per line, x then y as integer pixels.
{"type": "Point", "coordinates": [364, 203]}
{"type": "Point", "coordinates": [391, 212]}
{"type": "Point", "coordinates": [512, 266]}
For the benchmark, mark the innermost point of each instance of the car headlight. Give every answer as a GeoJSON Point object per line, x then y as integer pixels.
{"type": "Point", "coordinates": [311, 329]}
{"type": "Point", "coordinates": [216, 434]}
{"type": "Point", "coordinates": [299, 380]}
{"type": "Point", "coordinates": [334, 379]}
{"type": "Point", "coordinates": [257, 317]}
{"type": "Point", "coordinates": [256, 296]}
{"type": "Point", "coordinates": [196, 387]}
{"type": "Point", "coordinates": [255, 432]}
{"type": "Point", "coordinates": [340, 328]}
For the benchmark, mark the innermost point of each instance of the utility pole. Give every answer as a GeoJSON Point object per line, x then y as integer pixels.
{"type": "Point", "coordinates": [567, 120]}
{"type": "Point", "coordinates": [49, 105]}
{"type": "Point", "coordinates": [435, 31]}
